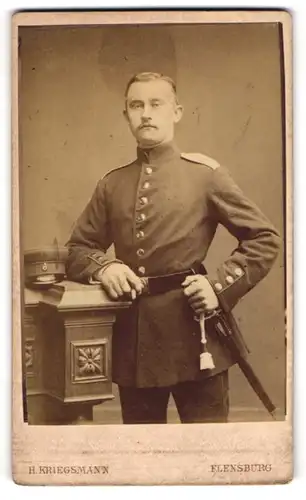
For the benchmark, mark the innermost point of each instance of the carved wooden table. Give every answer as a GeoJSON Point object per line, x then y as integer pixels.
{"type": "Point", "coordinates": [67, 341]}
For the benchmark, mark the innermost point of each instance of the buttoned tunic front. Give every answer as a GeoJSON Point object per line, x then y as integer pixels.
{"type": "Point", "coordinates": [161, 212]}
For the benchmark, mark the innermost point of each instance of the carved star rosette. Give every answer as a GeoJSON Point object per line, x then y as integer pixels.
{"type": "Point", "coordinates": [88, 362]}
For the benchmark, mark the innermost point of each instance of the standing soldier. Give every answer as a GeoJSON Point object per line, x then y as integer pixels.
{"type": "Point", "coordinates": [161, 212]}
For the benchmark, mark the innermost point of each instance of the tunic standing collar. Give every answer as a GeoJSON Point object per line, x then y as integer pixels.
{"type": "Point", "coordinates": [158, 154]}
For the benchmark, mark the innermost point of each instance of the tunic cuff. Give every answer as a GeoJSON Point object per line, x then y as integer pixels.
{"type": "Point", "coordinates": [229, 284]}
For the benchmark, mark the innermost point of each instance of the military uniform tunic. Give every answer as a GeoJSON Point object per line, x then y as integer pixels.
{"type": "Point", "coordinates": [161, 213]}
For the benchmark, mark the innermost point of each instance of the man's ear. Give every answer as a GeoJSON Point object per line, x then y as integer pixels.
{"type": "Point", "coordinates": [178, 113]}
{"type": "Point", "coordinates": [124, 112]}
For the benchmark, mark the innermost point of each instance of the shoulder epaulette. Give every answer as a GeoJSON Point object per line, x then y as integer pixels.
{"type": "Point", "coordinates": [117, 168]}
{"type": "Point", "coordinates": [202, 159]}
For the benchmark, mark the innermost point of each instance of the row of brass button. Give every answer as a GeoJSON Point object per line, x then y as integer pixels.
{"type": "Point", "coordinates": [141, 218]}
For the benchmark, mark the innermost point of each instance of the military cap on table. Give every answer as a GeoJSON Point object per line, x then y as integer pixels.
{"type": "Point", "coordinates": [44, 266]}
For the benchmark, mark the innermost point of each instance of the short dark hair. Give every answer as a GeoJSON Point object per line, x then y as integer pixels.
{"type": "Point", "coordinates": [149, 76]}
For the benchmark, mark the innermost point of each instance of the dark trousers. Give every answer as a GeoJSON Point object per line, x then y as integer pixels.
{"type": "Point", "coordinates": [201, 401]}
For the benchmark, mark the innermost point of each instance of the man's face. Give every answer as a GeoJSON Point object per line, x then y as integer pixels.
{"type": "Point", "coordinates": [152, 111]}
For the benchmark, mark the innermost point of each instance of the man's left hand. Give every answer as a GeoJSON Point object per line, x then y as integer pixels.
{"type": "Point", "coordinates": [200, 293]}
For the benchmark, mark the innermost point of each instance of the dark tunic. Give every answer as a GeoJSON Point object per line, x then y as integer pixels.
{"type": "Point", "coordinates": [161, 212]}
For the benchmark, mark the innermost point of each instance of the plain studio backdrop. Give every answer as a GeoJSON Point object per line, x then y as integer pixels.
{"type": "Point", "coordinates": [72, 131]}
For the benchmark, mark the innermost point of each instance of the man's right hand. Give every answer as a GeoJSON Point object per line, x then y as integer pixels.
{"type": "Point", "coordinates": [118, 280]}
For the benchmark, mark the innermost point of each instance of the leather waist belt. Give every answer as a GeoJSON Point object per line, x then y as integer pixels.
{"type": "Point", "coordinates": [161, 284]}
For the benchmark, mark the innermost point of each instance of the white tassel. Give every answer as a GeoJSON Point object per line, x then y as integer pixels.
{"type": "Point", "coordinates": [206, 359]}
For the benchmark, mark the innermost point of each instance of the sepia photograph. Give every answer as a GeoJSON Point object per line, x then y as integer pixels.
{"type": "Point", "coordinates": [152, 245]}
